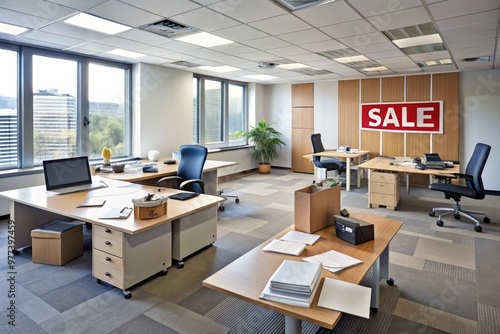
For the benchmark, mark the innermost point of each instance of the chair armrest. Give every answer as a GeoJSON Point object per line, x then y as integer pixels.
{"type": "Point", "coordinates": [463, 176]}
{"type": "Point", "coordinates": [168, 179]}
{"type": "Point", "coordinates": [186, 185]}
{"type": "Point", "coordinates": [492, 192]}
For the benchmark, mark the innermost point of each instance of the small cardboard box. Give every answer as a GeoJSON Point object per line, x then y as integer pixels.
{"type": "Point", "coordinates": [57, 243]}
{"type": "Point", "coordinates": [315, 206]}
{"type": "Point", "coordinates": [150, 212]}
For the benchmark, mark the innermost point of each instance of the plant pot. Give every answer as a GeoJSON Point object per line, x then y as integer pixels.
{"type": "Point", "coordinates": [264, 168]}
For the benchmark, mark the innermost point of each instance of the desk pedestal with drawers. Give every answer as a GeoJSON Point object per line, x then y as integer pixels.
{"type": "Point", "coordinates": [384, 189]}
{"type": "Point", "coordinates": [124, 260]}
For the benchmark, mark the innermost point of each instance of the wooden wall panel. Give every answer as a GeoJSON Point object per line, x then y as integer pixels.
{"type": "Point", "coordinates": [303, 95]}
{"type": "Point", "coordinates": [301, 143]}
{"type": "Point", "coordinates": [445, 87]}
{"type": "Point", "coordinates": [393, 91]}
{"type": "Point", "coordinates": [370, 92]}
{"type": "Point", "coordinates": [303, 118]}
{"type": "Point", "coordinates": [348, 125]}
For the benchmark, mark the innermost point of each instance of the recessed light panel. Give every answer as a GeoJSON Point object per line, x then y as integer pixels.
{"type": "Point", "coordinates": [420, 40]}
{"type": "Point", "coordinates": [263, 77]}
{"type": "Point", "coordinates": [11, 29]}
{"type": "Point", "coordinates": [219, 69]}
{"type": "Point", "coordinates": [125, 53]}
{"type": "Point", "coordinates": [204, 39]}
{"type": "Point", "coordinates": [352, 59]}
{"type": "Point", "coordinates": [293, 66]}
{"type": "Point", "coordinates": [95, 23]}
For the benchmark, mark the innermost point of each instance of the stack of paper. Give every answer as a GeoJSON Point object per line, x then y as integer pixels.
{"type": "Point", "coordinates": [345, 297]}
{"type": "Point", "coordinates": [293, 283]}
{"type": "Point", "coordinates": [302, 237]}
{"type": "Point", "coordinates": [285, 247]}
{"type": "Point", "coordinates": [333, 261]}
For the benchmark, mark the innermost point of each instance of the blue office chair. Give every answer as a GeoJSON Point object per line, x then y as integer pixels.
{"type": "Point", "coordinates": [192, 160]}
{"type": "Point", "coordinates": [328, 164]}
{"type": "Point", "coordinates": [473, 189]}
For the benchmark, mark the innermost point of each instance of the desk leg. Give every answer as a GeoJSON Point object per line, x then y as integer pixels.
{"type": "Point", "coordinates": [348, 175]}
{"type": "Point", "coordinates": [292, 325]}
{"type": "Point", "coordinates": [407, 177]}
{"type": "Point", "coordinates": [380, 269]}
{"type": "Point", "coordinates": [369, 178]}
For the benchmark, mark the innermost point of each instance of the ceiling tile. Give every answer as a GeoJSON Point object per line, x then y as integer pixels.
{"type": "Point", "coordinates": [95, 47]}
{"type": "Point", "coordinates": [234, 48]}
{"type": "Point", "coordinates": [384, 54]}
{"type": "Point", "coordinates": [122, 43]}
{"type": "Point", "coordinates": [227, 59]}
{"type": "Point", "coordinates": [178, 46]}
{"type": "Point", "coordinates": [472, 36]}
{"type": "Point", "coordinates": [323, 46]}
{"type": "Point", "coordinates": [363, 40]}
{"type": "Point", "coordinates": [38, 8]}
{"type": "Point", "coordinates": [248, 11]}
{"type": "Point", "coordinates": [471, 43]}
{"type": "Point", "coordinates": [470, 21]}
{"type": "Point", "coordinates": [382, 7]}
{"type": "Point", "coordinates": [205, 19]}
{"type": "Point", "coordinates": [430, 56]}
{"type": "Point", "coordinates": [468, 29]}
{"type": "Point", "coordinates": [371, 48]}
{"type": "Point", "coordinates": [281, 24]}
{"type": "Point", "coordinates": [305, 36]}
{"type": "Point", "coordinates": [72, 31]}
{"type": "Point", "coordinates": [306, 57]}
{"type": "Point", "coordinates": [53, 38]}
{"type": "Point", "coordinates": [78, 4]}
{"type": "Point", "coordinates": [287, 51]}
{"type": "Point", "coordinates": [320, 16]}
{"type": "Point", "coordinates": [144, 37]}
{"type": "Point", "coordinates": [123, 13]}
{"type": "Point", "coordinates": [159, 7]}
{"type": "Point", "coordinates": [455, 8]}
{"type": "Point", "coordinates": [257, 56]}
{"type": "Point", "coordinates": [266, 43]}
{"type": "Point", "coordinates": [206, 53]}
{"type": "Point", "coordinates": [22, 19]}
{"type": "Point", "coordinates": [404, 18]}
{"type": "Point", "coordinates": [240, 33]}
{"type": "Point", "coordinates": [351, 28]}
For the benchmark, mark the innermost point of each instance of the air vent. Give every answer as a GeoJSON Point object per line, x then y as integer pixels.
{"type": "Point", "coordinates": [483, 58]}
{"type": "Point", "coordinates": [185, 64]}
{"type": "Point", "coordinates": [292, 5]}
{"type": "Point", "coordinates": [264, 64]}
{"type": "Point", "coordinates": [168, 28]}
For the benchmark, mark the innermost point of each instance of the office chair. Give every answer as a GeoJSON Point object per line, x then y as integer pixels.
{"type": "Point", "coordinates": [220, 193]}
{"type": "Point", "coordinates": [192, 160]}
{"type": "Point", "coordinates": [473, 189]}
{"type": "Point", "coordinates": [328, 164]}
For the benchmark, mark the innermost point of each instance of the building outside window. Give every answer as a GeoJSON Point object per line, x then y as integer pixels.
{"type": "Point", "coordinates": [8, 109]}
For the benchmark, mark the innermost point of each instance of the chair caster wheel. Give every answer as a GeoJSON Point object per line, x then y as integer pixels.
{"type": "Point", "coordinates": [98, 281]}
{"type": "Point", "coordinates": [486, 220]}
{"type": "Point", "coordinates": [440, 223]}
{"type": "Point", "coordinates": [373, 310]}
{"type": "Point", "coordinates": [180, 265]}
{"type": "Point", "coordinates": [127, 294]}
{"type": "Point", "coordinates": [478, 228]}
{"type": "Point", "coordinates": [163, 272]}
{"type": "Point", "coordinates": [432, 214]}
{"type": "Point", "coordinates": [237, 200]}
{"type": "Point", "coordinates": [390, 282]}
{"type": "Point", "coordinates": [16, 252]}
{"type": "Point", "coordinates": [221, 208]}
{"type": "Point", "coordinates": [457, 216]}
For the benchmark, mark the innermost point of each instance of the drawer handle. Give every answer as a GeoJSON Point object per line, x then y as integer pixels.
{"type": "Point", "coordinates": [107, 230]}
{"type": "Point", "coordinates": [107, 242]}
{"type": "Point", "coordinates": [107, 274]}
{"type": "Point", "coordinates": [107, 259]}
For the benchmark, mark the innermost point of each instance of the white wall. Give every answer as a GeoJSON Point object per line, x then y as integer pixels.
{"type": "Point", "coordinates": [480, 120]}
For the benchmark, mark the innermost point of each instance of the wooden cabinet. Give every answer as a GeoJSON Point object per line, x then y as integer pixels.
{"type": "Point", "coordinates": [302, 126]}
{"type": "Point", "coordinates": [124, 260]}
{"type": "Point", "coordinates": [384, 189]}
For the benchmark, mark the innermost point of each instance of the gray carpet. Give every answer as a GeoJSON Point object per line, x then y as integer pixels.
{"type": "Point", "coordinates": [445, 277]}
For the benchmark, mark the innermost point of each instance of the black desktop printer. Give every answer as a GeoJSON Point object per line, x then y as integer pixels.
{"type": "Point", "coordinates": [353, 230]}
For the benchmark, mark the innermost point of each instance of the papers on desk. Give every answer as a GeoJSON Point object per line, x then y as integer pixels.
{"type": "Point", "coordinates": [285, 247]}
{"type": "Point", "coordinates": [333, 261]}
{"type": "Point", "coordinates": [345, 297]}
{"type": "Point", "coordinates": [301, 237]}
{"type": "Point", "coordinates": [92, 202]}
{"type": "Point", "coordinates": [117, 213]}
{"type": "Point", "coordinates": [294, 283]}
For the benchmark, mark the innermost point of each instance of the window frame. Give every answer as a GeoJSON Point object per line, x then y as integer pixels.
{"type": "Point", "coordinates": [200, 126]}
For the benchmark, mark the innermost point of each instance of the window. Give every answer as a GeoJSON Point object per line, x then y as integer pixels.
{"type": "Point", "coordinates": [8, 109]}
{"type": "Point", "coordinates": [219, 112]}
{"type": "Point", "coordinates": [71, 105]}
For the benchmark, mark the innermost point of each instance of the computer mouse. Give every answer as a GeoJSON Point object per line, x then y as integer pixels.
{"type": "Point", "coordinates": [420, 166]}
{"type": "Point", "coordinates": [417, 160]}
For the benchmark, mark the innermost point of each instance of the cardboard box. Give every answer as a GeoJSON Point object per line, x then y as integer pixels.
{"type": "Point", "coordinates": [57, 243]}
{"type": "Point", "coordinates": [315, 206]}
{"type": "Point", "coordinates": [150, 212]}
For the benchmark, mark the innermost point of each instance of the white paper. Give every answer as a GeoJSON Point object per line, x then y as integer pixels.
{"type": "Point", "coordinates": [333, 261]}
{"type": "Point", "coordinates": [302, 237]}
{"type": "Point", "coordinates": [345, 297]}
{"type": "Point", "coordinates": [285, 247]}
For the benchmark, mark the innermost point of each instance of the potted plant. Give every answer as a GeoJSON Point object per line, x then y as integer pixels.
{"type": "Point", "coordinates": [266, 141]}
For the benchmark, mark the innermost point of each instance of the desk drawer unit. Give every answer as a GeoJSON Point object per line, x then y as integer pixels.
{"type": "Point", "coordinates": [124, 260]}
{"type": "Point", "coordinates": [384, 189]}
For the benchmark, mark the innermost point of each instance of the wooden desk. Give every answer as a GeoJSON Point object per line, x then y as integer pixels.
{"type": "Point", "coordinates": [384, 164]}
{"type": "Point", "coordinates": [209, 173]}
{"type": "Point", "coordinates": [246, 277]}
{"type": "Point", "coordinates": [137, 239]}
{"type": "Point", "coordinates": [348, 156]}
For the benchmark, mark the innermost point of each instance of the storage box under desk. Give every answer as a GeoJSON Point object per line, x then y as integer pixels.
{"type": "Point", "coordinates": [57, 243]}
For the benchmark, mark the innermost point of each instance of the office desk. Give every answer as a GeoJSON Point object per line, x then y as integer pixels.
{"type": "Point", "coordinates": [209, 175]}
{"type": "Point", "coordinates": [384, 164]}
{"type": "Point", "coordinates": [348, 156]}
{"type": "Point", "coordinates": [139, 248]}
{"type": "Point", "coordinates": [246, 277]}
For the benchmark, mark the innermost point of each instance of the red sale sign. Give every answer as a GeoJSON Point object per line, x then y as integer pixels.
{"type": "Point", "coordinates": [417, 117]}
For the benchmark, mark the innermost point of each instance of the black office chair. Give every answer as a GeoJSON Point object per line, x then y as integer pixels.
{"type": "Point", "coordinates": [192, 160]}
{"type": "Point", "coordinates": [473, 189]}
{"type": "Point", "coordinates": [330, 163]}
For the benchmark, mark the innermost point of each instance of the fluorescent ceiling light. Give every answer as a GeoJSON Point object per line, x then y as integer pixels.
{"type": "Point", "coordinates": [11, 29]}
{"type": "Point", "coordinates": [264, 77]}
{"type": "Point", "coordinates": [204, 39]}
{"type": "Point", "coordinates": [293, 66]}
{"type": "Point", "coordinates": [374, 69]}
{"type": "Point", "coordinates": [446, 61]}
{"type": "Point", "coordinates": [419, 40]}
{"type": "Point", "coordinates": [219, 69]}
{"type": "Point", "coordinates": [95, 23]}
{"type": "Point", "coordinates": [351, 59]}
{"type": "Point", "coordinates": [125, 53]}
